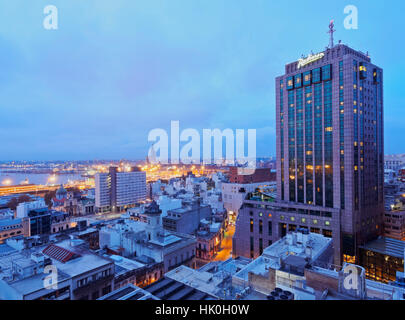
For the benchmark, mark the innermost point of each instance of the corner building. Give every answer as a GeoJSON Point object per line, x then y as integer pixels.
{"type": "Point", "coordinates": [330, 143]}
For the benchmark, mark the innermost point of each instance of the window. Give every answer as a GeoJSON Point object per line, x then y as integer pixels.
{"type": "Point", "coordinates": [290, 83]}
{"type": "Point", "coordinates": [260, 246]}
{"type": "Point", "coordinates": [251, 247]}
{"type": "Point", "coordinates": [307, 78]}
{"type": "Point", "coordinates": [316, 75]}
{"type": "Point", "coordinates": [327, 72]}
{"type": "Point", "coordinates": [106, 290]}
{"type": "Point", "coordinates": [298, 81]}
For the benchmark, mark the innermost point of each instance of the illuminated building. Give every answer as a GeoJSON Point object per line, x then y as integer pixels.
{"type": "Point", "coordinates": [11, 227]}
{"type": "Point", "coordinates": [148, 241]}
{"type": "Point", "coordinates": [82, 275]}
{"type": "Point", "coordinates": [259, 175]}
{"type": "Point", "coordinates": [116, 190]}
{"type": "Point", "coordinates": [330, 142]}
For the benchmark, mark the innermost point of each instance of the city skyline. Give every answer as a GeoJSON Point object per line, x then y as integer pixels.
{"type": "Point", "coordinates": [94, 88]}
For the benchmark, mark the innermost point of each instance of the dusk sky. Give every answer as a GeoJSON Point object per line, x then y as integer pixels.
{"type": "Point", "coordinates": [114, 70]}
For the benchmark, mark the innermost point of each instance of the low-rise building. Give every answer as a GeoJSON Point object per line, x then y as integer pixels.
{"type": "Point", "coordinates": [76, 273]}
{"type": "Point", "coordinates": [13, 227]}
{"type": "Point", "coordinates": [394, 223]}
{"type": "Point", "coordinates": [186, 219]}
{"type": "Point", "coordinates": [59, 221]}
{"type": "Point", "coordinates": [148, 240]}
{"type": "Point", "coordinates": [209, 238]}
{"type": "Point", "coordinates": [130, 271]}
{"type": "Point", "coordinates": [129, 292]}
{"type": "Point", "coordinates": [262, 221]}
{"type": "Point", "coordinates": [284, 262]}
{"type": "Point", "coordinates": [234, 194]}
{"type": "Point", "coordinates": [382, 258]}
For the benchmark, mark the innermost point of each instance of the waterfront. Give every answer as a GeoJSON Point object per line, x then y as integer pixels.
{"type": "Point", "coordinates": [40, 178]}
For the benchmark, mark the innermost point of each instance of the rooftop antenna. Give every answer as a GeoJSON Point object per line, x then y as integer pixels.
{"type": "Point", "coordinates": [331, 31]}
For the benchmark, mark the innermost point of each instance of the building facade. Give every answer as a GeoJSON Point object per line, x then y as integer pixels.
{"type": "Point", "coordinates": [330, 140]}
{"type": "Point", "coordinates": [186, 219]}
{"type": "Point", "coordinates": [118, 190]}
{"type": "Point", "coordinates": [262, 221]}
{"type": "Point", "coordinates": [259, 175]}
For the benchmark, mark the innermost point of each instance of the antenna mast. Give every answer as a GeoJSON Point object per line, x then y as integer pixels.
{"type": "Point", "coordinates": [331, 31]}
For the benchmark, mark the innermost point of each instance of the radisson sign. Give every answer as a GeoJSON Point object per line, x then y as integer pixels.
{"type": "Point", "coordinates": [309, 59]}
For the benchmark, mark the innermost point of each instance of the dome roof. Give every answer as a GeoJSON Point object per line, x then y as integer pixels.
{"type": "Point", "coordinates": [61, 191]}
{"type": "Point", "coordinates": [153, 208]}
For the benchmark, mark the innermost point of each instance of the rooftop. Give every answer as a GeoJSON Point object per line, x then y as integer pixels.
{"type": "Point", "coordinates": [293, 253]}
{"type": "Point", "coordinates": [388, 246]}
{"type": "Point", "coordinates": [202, 280]}
{"type": "Point", "coordinates": [170, 289]}
{"type": "Point", "coordinates": [129, 292]}
{"type": "Point", "coordinates": [123, 265]}
{"type": "Point", "coordinates": [9, 222]}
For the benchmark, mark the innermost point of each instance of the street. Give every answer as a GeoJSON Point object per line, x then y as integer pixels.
{"type": "Point", "coordinates": [226, 245]}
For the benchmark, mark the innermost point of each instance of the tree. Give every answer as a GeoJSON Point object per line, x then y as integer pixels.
{"type": "Point", "coordinates": [14, 202]}
{"type": "Point", "coordinates": [24, 198]}
{"type": "Point", "coordinates": [48, 198]}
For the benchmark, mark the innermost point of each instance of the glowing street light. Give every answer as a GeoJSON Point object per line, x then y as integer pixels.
{"type": "Point", "coordinates": [52, 179]}
{"type": "Point", "coordinates": [7, 182]}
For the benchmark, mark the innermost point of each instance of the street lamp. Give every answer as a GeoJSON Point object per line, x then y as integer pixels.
{"type": "Point", "coordinates": [7, 182]}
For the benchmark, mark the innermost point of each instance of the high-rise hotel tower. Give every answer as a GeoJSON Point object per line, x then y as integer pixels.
{"type": "Point", "coordinates": [330, 141]}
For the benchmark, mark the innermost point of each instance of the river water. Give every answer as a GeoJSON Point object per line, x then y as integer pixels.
{"type": "Point", "coordinates": [40, 178]}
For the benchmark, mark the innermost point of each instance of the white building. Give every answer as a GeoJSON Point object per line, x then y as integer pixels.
{"type": "Point", "coordinates": [148, 240]}
{"type": "Point", "coordinates": [233, 194]}
{"type": "Point", "coordinates": [79, 274]}
{"type": "Point", "coordinates": [118, 190]}
{"type": "Point", "coordinates": [24, 208]}
{"type": "Point", "coordinates": [165, 203]}
{"type": "Point", "coordinates": [214, 200]}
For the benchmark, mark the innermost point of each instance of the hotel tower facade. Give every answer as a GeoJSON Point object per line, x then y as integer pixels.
{"type": "Point", "coordinates": [330, 143]}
